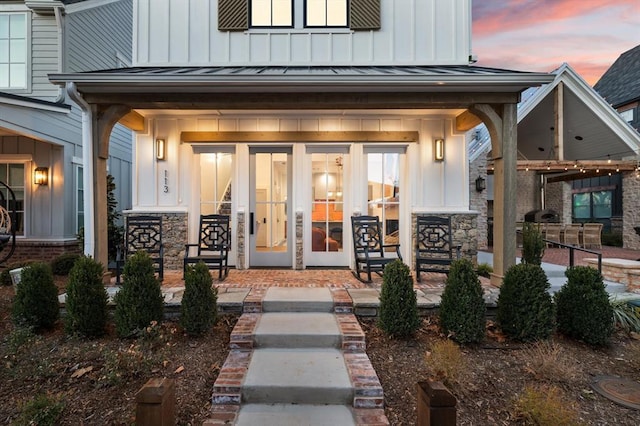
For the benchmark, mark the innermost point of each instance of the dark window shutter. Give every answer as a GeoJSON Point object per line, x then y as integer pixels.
{"type": "Point", "coordinates": [364, 15]}
{"type": "Point", "coordinates": [233, 15]}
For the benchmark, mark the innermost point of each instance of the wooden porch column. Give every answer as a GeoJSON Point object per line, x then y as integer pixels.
{"type": "Point", "coordinates": [502, 123]}
{"type": "Point", "coordinates": [103, 120]}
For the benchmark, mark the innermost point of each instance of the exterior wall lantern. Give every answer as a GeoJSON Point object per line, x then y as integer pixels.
{"type": "Point", "coordinates": [41, 176]}
{"type": "Point", "coordinates": [161, 149]}
{"type": "Point", "coordinates": [481, 184]}
{"type": "Point", "coordinates": [438, 149]}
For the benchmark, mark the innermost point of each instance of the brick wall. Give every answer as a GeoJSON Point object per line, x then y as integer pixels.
{"type": "Point", "coordinates": [478, 200]}
{"type": "Point", "coordinates": [41, 251]}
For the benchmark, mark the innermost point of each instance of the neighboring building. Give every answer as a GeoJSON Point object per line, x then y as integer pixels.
{"type": "Point", "coordinates": [294, 115]}
{"type": "Point", "coordinates": [576, 156]}
{"type": "Point", "coordinates": [620, 86]}
{"type": "Point", "coordinates": [41, 128]}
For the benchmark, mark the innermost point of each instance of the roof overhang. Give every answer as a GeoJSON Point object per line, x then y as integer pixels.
{"type": "Point", "coordinates": [324, 87]}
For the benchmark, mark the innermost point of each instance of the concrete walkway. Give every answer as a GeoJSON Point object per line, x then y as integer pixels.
{"type": "Point", "coordinates": [297, 358]}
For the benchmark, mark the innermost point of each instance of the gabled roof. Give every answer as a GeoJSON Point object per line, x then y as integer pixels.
{"type": "Point", "coordinates": [593, 130]}
{"type": "Point", "coordinates": [620, 84]}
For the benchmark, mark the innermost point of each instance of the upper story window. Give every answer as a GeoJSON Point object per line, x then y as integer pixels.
{"type": "Point", "coordinates": [272, 13]}
{"type": "Point", "coordinates": [326, 13]}
{"type": "Point", "coordinates": [13, 51]}
{"type": "Point", "coordinates": [241, 15]}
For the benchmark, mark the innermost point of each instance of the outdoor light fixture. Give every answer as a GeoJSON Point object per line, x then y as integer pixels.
{"type": "Point", "coordinates": [161, 149]}
{"type": "Point", "coordinates": [481, 184]}
{"type": "Point", "coordinates": [41, 176]}
{"type": "Point", "coordinates": [438, 149]}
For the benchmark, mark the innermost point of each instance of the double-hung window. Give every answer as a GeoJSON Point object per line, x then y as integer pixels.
{"type": "Point", "coordinates": [326, 13]}
{"type": "Point", "coordinates": [272, 13]}
{"type": "Point", "coordinates": [13, 51]}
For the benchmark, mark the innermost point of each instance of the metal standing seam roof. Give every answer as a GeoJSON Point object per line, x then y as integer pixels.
{"type": "Point", "coordinates": [447, 77]}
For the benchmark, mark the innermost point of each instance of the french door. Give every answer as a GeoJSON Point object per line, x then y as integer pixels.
{"type": "Point", "coordinates": [270, 223]}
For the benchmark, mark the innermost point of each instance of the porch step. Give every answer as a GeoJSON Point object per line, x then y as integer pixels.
{"type": "Point", "coordinates": [297, 376]}
{"type": "Point", "coordinates": [293, 299]}
{"type": "Point", "coordinates": [294, 415]}
{"type": "Point", "coordinates": [297, 330]}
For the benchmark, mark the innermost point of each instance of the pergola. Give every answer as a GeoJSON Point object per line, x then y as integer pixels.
{"type": "Point", "coordinates": [489, 95]}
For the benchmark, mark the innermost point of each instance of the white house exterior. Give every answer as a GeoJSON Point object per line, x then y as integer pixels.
{"type": "Point", "coordinates": [295, 121]}
{"type": "Point", "coordinates": [41, 128]}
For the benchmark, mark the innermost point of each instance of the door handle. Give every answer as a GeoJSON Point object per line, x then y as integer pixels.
{"type": "Point", "coordinates": [251, 221]}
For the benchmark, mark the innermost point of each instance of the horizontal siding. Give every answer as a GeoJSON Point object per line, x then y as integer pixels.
{"type": "Point", "coordinates": [44, 56]}
{"type": "Point", "coordinates": [95, 36]}
{"type": "Point", "coordinates": [413, 32]}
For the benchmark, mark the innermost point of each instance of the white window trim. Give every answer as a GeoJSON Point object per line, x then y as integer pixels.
{"type": "Point", "coordinates": [76, 167]}
{"type": "Point", "coordinates": [28, 71]}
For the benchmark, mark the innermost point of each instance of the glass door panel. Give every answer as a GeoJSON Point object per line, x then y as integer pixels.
{"type": "Point", "coordinates": [327, 205]}
{"type": "Point", "coordinates": [269, 216]}
{"type": "Point", "coordinates": [383, 176]}
{"type": "Point", "coordinates": [216, 189]}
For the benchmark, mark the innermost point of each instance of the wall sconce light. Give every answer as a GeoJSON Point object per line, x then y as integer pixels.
{"type": "Point", "coordinates": [41, 176]}
{"type": "Point", "coordinates": [161, 149]}
{"type": "Point", "coordinates": [481, 184]}
{"type": "Point", "coordinates": [438, 149]}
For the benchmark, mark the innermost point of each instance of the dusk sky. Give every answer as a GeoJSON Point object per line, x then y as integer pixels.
{"type": "Point", "coordinates": [539, 35]}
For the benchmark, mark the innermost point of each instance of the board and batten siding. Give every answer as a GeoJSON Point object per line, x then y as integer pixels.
{"type": "Point", "coordinates": [440, 185]}
{"type": "Point", "coordinates": [412, 32]}
{"type": "Point", "coordinates": [97, 37]}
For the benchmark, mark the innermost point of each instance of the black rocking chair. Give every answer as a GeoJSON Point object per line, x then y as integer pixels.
{"type": "Point", "coordinates": [142, 233]}
{"type": "Point", "coordinates": [368, 247]}
{"type": "Point", "coordinates": [434, 246]}
{"type": "Point", "coordinates": [213, 246]}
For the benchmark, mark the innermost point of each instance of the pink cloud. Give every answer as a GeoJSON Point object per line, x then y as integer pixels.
{"type": "Point", "coordinates": [491, 16]}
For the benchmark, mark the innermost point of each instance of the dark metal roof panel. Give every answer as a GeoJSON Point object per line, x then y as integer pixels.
{"type": "Point", "coordinates": [456, 70]}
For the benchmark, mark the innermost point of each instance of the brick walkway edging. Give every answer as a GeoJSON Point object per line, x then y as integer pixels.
{"type": "Point", "coordinates": [368, 401]}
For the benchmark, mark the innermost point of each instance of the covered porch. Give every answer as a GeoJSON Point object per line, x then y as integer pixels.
{"type": "Point", "coordinates": [462, 92]}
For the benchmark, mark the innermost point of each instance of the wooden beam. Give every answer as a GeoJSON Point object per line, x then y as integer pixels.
{"type": "Point", "coordinates": [467, 121]}
{"type": "Point", "coordinates": [558, 109]}
{"type": "Point", "coordinates": [339, 136]}
{"type": "Point", "coordinates": [279, 100]}
{"type": "Point", "coordinates": [133, 121]}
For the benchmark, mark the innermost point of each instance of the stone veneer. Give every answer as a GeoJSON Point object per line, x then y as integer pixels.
{"type": "Point", "coordinates": [631, 210]}
{"type": "Point", "coordinates": [299, 247]}
{"type": "Point", "coordinates": [240, 241]}
{"type": "Point", "coordinates": [464, 227]}
{"type": "Point", "coordinates": [174, 236]}
{"type": "Point", "coordinates": [478, 200]}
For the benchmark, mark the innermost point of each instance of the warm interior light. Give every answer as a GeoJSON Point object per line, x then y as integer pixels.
{"type": "Point", "coordinates": [438, 150]}
{"type": "Point", "coordinates": [41, 176]}
{"type": "Point", "coordinates": [161, 149]}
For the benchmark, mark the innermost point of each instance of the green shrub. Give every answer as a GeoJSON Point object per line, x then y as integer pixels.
{"type": "Point", "coordinates": [36, 301]}
{"type": "Point", "coordinates": [462, 310]}
{"type": "Point", "coordinates": [199, 303]}
{"type": "Point", "coordinates": [398, 303]}
{"type": "Point", "coordinates": [484, 270]}
{"type": "Point", "coordinates": [139, 301]}
{"type": "Point", "coordinates": [583, 308]}
{"type": "Point", "coordinates": [62, 264]}
{"type": "Point", "coordinates": [626, 315]}
{"type": "Point", "coordinates": [532, 244]}
{"type": "Point", "coordinates": [41, 410]}
{"type": "Point", "coordinates": [5, 276]}
{"type": "Point", "coordinates": [525, 307]}
{"type": "Point", "coordinates": [86, 299]}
